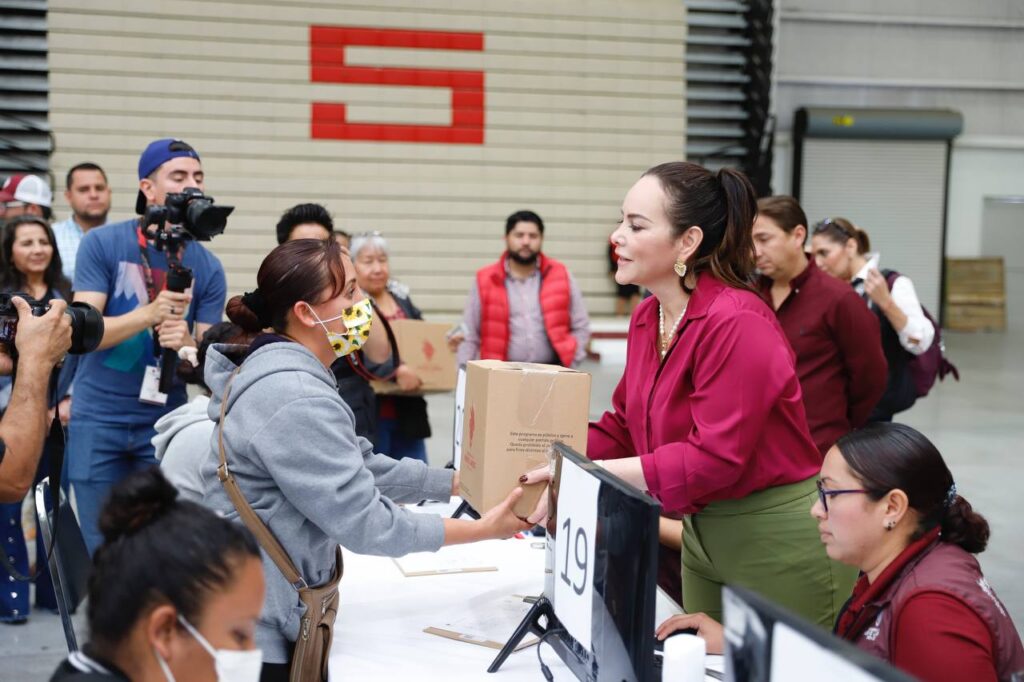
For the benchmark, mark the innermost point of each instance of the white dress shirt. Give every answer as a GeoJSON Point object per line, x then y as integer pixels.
{"type": "Point", "coordinates": [917, 335]}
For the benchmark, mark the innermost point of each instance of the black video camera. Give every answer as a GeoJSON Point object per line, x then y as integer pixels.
{"type": "Point", "coordinates": [188, 214]}
{"type": "Point", "coordinates": [185, 215]}
{"type": "Point", "coordinates": [86, 323]}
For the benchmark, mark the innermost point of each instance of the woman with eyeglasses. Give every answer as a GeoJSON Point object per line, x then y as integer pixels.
{"type": "Point", "coordinates": [844, 251]}
{"type": "Point", "coordinates": [31, 266]}
{"type": "Point", "coordinates": [888, 505]}
{"type": "Point", "coordinates": [402, 423]}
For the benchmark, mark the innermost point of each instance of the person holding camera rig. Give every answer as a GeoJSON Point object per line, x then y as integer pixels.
{"type": "Point", "coordinates": [132, 271]}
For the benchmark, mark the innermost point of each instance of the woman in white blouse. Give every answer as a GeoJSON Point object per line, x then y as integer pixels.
{"type": "Point", "coordinates": [842, 250]}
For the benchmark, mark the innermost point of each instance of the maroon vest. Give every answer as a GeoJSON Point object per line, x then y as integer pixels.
{"type": "Point", "coordinates": [951, 570]}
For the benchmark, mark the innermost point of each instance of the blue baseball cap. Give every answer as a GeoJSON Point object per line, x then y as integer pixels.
{"type": "Point", "coordinates": [156, 154]}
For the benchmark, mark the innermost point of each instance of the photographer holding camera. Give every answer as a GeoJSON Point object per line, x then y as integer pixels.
{"type": "Point", "coordinates": [41, 342]}
{"type": "Point", "coordinates": [129, 271]}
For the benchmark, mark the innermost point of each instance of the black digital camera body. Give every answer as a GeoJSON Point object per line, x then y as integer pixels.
{"type": "Point", "coordinates": [86, 323]}
{"type": "Point", "coordinates": [188, 214]}
{"type": "Point", "coordinates": [185, 215]}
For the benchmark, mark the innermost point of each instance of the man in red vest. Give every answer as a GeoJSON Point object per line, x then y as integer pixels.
{"type": "Point", "coordinates": [526, 307]}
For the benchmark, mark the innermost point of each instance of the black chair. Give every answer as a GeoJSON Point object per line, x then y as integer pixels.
{"type": "Point", "coordinates": [70, 562]}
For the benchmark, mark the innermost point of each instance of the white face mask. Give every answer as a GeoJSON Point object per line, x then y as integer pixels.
{"type": "Point", "coordinates": [231, 665]}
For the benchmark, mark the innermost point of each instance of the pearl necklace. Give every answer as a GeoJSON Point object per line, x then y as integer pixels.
{"type": "Point", "coordinates": [661, 329]}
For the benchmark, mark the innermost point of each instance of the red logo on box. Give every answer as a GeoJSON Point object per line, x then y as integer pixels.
{"type": "Point", "coordinates": [428, 350]}
{"type": "Point", "coordinates": [327, 65]}
{"type": "Point", "coordinates": [472, 424]}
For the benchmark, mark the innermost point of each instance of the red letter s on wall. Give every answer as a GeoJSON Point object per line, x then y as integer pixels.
{"type": "Point", "coordinates": [327, 65]}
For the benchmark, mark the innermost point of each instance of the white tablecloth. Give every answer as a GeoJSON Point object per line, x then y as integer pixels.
{"type": "Point", "coordinates": [379, 632]}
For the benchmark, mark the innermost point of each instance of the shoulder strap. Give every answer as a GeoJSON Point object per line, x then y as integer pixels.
{"type": "Point", "coordinates": [267, 541]}
{"type": "Point", "coordinates": [890, 277]}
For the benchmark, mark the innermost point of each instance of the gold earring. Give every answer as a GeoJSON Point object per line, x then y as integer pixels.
{"type": "Point", "coordinates": [680, 268]}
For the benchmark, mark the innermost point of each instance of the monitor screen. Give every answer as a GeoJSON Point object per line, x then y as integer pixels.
{"type": "Point", "coordinates": [766, 643]}
{"type": "Point", "coordinates": [602, 571]}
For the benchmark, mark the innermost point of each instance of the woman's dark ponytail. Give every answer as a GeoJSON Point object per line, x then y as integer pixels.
{"type": "Point", "coordinates": [240, 311]}
{"type": "Point", "coordinates": [733, 260]}
{"type": "Point", "coordinates": [723, 205]}
{"type": "Point", "coordinates": [863, 241]}
{"type": "Point", "coordinates": [962, 526]}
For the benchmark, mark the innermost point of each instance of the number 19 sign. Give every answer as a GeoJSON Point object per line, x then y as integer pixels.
{"type": "Point", "coordinates": [574, 550]}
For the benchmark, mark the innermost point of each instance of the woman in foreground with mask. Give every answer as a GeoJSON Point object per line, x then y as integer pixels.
{"type": "Point", "coordinates": [290, 441]}
{"type": "Point", "coordinates": [174, 594]}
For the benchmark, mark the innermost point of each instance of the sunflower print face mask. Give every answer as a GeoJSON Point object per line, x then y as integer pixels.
{"type": "Point", "coordinates": [357, 320]}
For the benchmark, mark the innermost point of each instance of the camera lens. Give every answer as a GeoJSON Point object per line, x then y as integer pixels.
{"type": "Point", "coordinates": [86, 327]}
{"type": "Point", "coordinates": [205, 220]}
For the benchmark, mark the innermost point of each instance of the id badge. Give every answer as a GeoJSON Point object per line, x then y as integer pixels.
{"type": "Point", "coordinates": [150, 391]}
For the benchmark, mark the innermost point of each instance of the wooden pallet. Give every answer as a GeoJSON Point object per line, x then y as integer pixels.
{"type": "Point", "coordinates": [975, 294]}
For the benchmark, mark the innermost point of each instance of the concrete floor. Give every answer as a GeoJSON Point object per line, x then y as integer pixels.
{"type": "Point", "coordinates": [977, 424]}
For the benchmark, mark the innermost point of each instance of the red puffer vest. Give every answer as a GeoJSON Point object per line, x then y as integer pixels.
{"type": "Point", "coordinates": [554, 305]}
{"type": "Point", "coordinates": [940, 567]}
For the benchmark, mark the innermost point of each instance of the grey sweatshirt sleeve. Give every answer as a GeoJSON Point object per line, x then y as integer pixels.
{"type": "Point", "coordinates": [323, 475]}
{"type": "Point", "coordinates": [407, 480]}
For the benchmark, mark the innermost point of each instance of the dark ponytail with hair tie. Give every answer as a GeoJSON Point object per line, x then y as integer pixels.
{"type": "Point", "coordinates": [733, 258]}
{"type": "Point", "coordinates": [723, 205]}
{"type": "Point", "coordinates": [255, 302]}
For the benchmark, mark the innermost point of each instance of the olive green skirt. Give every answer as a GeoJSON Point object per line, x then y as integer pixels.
{"type": "Point", "coordinates": [768, 542]}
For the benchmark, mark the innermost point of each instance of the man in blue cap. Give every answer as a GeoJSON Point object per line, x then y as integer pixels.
{"type": "Point", "coordinates": [119, 271]}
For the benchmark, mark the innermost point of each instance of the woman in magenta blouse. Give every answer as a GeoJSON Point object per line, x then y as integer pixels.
{"type": "Point", "coordinates": [708, 415]}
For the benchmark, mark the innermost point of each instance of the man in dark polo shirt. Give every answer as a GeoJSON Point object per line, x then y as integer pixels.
{"type": "Point", "coordinates": [836, 339]}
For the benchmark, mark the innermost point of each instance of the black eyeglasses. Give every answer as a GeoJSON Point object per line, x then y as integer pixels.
{"type": "Point", "coordinates": [824, 494]}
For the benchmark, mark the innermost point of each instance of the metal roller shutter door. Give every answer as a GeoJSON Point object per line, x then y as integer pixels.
{"type": "Point", "coordinates": [894, 190]}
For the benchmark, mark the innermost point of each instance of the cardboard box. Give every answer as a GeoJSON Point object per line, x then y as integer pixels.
{"type": "Point", "coordinates": [513, 412]}
{"type": "Point", "coordinates": [423, 346]}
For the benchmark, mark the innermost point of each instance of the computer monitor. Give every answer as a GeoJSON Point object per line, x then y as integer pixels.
{"type": "Point", "coordinates": [766, 643]}
{"type": "Point", "coordinates": [601, 576]}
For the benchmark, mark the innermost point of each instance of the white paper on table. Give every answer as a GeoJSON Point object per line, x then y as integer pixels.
{"type": "Point", "coordinates": [574, 550]}
{"type": "Point", "coordinates": [460, 408]}
{"type": "Point", "coordinates": [796, 658]}
{"type": "Point", "coordinates": [450, 559]}
{"type": "Point", "coordinates": [489, 623]}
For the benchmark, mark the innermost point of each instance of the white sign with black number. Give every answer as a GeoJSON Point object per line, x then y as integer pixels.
{"type": "Point", "coordinates": [460, 408]}
{"type": "Point", "coordinates": [574, 550]}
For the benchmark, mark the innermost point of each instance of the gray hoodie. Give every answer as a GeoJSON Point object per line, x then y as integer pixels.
{"type": "Point", "coordinates": [182, 443]}
{"type": "Point", "coordinates": [291, 445]}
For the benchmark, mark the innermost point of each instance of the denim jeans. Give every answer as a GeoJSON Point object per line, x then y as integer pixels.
{"type": "Point", "coordinates": [389, 442]}
{"type": "Point", "coordinates": [99, 455]}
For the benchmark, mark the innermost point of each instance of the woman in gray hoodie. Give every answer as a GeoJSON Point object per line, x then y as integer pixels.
{"type": "Point", "coordinates": [291, 443]}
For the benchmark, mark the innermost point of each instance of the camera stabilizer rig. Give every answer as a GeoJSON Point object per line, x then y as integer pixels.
{"type": "Point", "coordinates": [187, 215]}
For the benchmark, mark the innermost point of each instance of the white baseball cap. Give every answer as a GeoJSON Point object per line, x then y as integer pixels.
{"type": "Point", "coordinates": [30, 189]}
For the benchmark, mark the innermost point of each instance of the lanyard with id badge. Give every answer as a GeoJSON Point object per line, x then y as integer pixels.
{"type": "Point", "coordinates": [150, 392]}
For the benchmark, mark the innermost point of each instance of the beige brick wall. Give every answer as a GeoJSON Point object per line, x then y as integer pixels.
{"type": "Point", "coordinates": [581, 96]}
